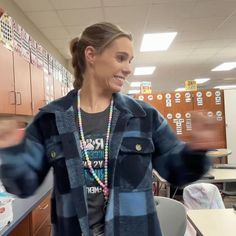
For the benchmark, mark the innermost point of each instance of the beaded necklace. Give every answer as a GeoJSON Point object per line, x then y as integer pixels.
{"type": "Point", "coordinates": [84, 150]}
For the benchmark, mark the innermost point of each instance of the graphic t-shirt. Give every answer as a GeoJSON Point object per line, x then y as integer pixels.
{"type": "Point", "coordinates": [95, 128]}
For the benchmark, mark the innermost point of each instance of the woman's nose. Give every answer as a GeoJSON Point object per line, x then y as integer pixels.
{"type": "Point", "coordinates": [127, 69]}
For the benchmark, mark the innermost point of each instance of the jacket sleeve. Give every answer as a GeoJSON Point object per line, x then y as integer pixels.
{"type": "Point", "coordinates": [23, 167]}
{"type": "Point", "coordinates": [173, 159]}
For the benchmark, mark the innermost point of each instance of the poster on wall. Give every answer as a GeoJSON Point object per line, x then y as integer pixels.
{"type": "Point", "coordinates": [16, 36]}
{"type": "Point", "coordinates": [25, 46]}
{"type": "Point", "coordinates": [6, 32]}
{"type": "Point", "coordinates": [39, 56]}
{"type": "Point", "coordinates": [33, 51]}
{"type": "Point", "coordinates": [146, 87]}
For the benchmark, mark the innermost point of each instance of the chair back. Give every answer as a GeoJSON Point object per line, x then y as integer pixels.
{"type": "Point", "coordinates": [229, 188]}
{"type": "Point", "coordinates": [172, 216]}
{"type": "Point", "coordinates": [202, 196]}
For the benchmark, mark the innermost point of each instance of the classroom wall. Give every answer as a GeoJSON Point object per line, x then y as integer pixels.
{"type": "Point", "coordinates": [230, 120]}
{"type": "Point", "coordinates": [15, 12]}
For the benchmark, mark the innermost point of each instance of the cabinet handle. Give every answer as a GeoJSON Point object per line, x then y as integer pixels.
{"type": "Point", "coordinates": [12, 98]}
{"type": "Point", "coordinates": [32, 105]}
{"type": "Point", "coordinates": [44, 207]}
{"type": "Point", "coordinates": [18, 95]}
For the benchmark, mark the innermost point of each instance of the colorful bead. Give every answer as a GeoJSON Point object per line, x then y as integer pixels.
{"type": "Point", "coordinates": [84, 150]}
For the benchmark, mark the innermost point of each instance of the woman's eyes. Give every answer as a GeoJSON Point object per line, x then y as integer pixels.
{"type": "Point", "coordinates": [122, 58]}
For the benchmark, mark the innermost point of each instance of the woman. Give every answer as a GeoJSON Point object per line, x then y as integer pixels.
{"type": "Point", "coordinates": [102, 146]}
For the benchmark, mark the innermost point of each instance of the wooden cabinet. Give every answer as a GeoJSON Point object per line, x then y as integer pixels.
{"type": "Point", "coordinates": [24, 88]}
{"type": "Point", "coordinates": [23, 229]}
{"type": "Point", "coordinates": [41, 217]}
{"type": "Point", "coordinates": [57, 89]}
{"type": "Point", "coordinates": [22, 85]}
{"type": "Point", "coordinates": [37, 88]}
{"type": "Point", "coordinates": [7, 88]}
{"type": "Point", "coordinates": [37, 223]}
{"type": "Point", "coordinates": [45, 229]}
{"type": "Point", "coordinates": [15, 87]}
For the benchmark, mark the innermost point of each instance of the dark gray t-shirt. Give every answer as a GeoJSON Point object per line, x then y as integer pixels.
{"type": "Point", "coordinates": [95, 128]}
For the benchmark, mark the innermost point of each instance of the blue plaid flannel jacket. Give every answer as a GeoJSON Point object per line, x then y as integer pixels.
{"type": "Point", "coordinates": [141, 140]}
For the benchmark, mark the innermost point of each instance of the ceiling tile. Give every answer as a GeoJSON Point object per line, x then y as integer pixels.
{"type": "Point", "coordinates": [75, 31]}
{"type": "Point", "coordinates": [81, 16]}
{"type": "Point", "coordinates": [45, 19]}
{"type": "Point", "coordinates": [213, 8]}
{"type": "Point", "coordinates": [75, 4]}
{"type": "Point", "coordinates": [116, 3]}
{"type": "Point", "coordinates": [29, 5]}
{"type": "Point", "coordinates": [121, 14]}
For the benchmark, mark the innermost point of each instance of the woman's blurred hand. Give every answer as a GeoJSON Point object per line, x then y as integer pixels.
{"type": "Point", "coordinates": [10, 133]}
{"type": "Point", "coordinates": [205, 131]}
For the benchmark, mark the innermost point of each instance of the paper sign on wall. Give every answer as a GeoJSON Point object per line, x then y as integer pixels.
{"type": "Point", "coordinates": [146, 87]}
{"type": "Point", "coordinates": [190, 85]}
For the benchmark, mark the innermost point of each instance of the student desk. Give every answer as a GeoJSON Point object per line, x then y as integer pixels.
{"type": "Point", "coordinates": [213, 222]}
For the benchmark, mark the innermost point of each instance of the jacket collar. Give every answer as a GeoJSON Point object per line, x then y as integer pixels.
{"type": "Point", "coordinates": [122, 102]}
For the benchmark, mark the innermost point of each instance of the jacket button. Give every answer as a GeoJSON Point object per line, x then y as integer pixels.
{"type": "Point", "coordinates": [53, 154]}
{"type": "Point", "coordinates": [138, 147]}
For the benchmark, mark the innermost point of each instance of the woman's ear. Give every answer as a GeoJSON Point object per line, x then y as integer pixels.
{"type": "Point", "coordinates": [90, 53]}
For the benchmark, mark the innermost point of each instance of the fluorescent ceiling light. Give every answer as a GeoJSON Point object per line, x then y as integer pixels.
{"type": "Point", "coordinates": [134, 91]}
{"type": "Point", "coordinates": [225, 86]}
{"type": "Point", "coordinates": [148, 70]}
{"type": "Point", "coordinates": [180, 89]}
{"type": "Point", "coordinates": [157, 41]}
{"type": "Point", "coordinates": [135, 84]}
{"type": "Point", "coordinates": [225, 66]}
{"type": "Point", "coordinates": [202, 80]}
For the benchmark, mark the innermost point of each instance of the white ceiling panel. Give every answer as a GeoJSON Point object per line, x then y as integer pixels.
{"type": "Point", "coordinates": [213, 8]}
{"type": "Point", "coordinates": [75, 31]}
{"type": "Point", "coordinates": [168, 11]}
{"type": "Point", "coordinates": [115, 3]}
{"type": "Point", "coordinates": [81, 16]}
{"type": "Point", "coordinates": [74, 4]}
{"type": "Point", "coordinates": [29, 5]}
{"type": "Point", "coordinates": [134, 14]}
{"type": "Point", "coordinates": [45, 19]}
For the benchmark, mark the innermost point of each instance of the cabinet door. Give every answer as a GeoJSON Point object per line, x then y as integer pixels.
{"type": "Point", "coordinates": [40, 215]}
{"type": "Point", "coordinates": [45, 229]}
{"type": "Point", "coordinates": [23, 228]}
{"type": "Point", "coordinates": [57, 89]}
{"type": "Point", "coordinates": [37, 88]}
{"type": "Point", "coordinates": [7, 90]}
{"type": "Point", "coordinates": [22, 85]}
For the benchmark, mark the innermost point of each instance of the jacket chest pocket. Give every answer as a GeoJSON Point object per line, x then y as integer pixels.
{"type": "Point", "coordinates": [134, 163]}
{"type": "Point", "coordinates": [54, 150]}
{"type": "Point", "coordinates": [56, 158]}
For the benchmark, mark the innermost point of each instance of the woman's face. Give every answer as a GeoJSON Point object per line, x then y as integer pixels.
{"type": "Point", "coordinates": [112, 67]}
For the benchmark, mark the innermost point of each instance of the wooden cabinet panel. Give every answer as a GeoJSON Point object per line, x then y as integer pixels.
{"type": "Point", "coordinates": [40, 214]}
{"type": "Point", "coordinates": [23, 229]}
{"type": "Point", "coordinates": [37, 88]}
{"type": "Point", "coordinates": [22, 85]}
{"type": "Point", "coordinates": [7, 90]}
{"type": "Point", "coordinates": [57, 89]}
{"type": "Point", "coordinates": [45, 229]}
